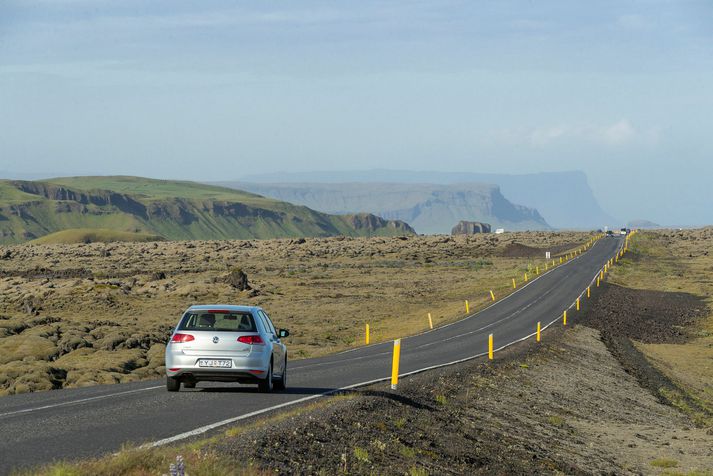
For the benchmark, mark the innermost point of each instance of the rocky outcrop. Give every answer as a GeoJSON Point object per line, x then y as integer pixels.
{"type": "Point", "coordinates": [372, 223]}
{"type": "Point", "coordinates": [238, 279]}
{"type": "Point", "coordinates": [470, 228]}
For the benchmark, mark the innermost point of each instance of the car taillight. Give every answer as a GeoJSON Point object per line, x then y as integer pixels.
{"type": "Point", "coordinates": [252, 340]}
{"type": "Point", "coordinates": [182, 338]}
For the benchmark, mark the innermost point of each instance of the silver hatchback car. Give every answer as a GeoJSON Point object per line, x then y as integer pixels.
{"type": "Point", "coordinates": [226, 344]}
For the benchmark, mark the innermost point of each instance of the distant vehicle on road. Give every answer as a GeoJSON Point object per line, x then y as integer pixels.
{"type": "Point", "coordinates": [610, 233]}
{"type": "Point", "coordinates": [623, 231]}
{"type": "Point", "coordinates": [226, 344]}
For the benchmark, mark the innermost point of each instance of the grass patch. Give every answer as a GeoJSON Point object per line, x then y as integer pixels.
{"type": "Point", "coordinates": [556, 420]}
{"type": "Point", "coordinates": [407, 451]}
{"type": "Point", "coordinates": [664, 463]}
{"type": "Point", "coordinates": [361, 454]}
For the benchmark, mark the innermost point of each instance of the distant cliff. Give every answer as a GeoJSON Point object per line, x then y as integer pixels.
{"type": "Point", "coordinates": [564, 199]}
{"type": "Point", "coordinates": [429, 208]}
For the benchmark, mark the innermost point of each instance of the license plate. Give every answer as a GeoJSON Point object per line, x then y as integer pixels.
{"type": "Point", "coordinates": [222, 363]}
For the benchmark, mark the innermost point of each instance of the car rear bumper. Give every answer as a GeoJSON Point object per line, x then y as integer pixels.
{"type": "Point", "coordinates": [252, 367]}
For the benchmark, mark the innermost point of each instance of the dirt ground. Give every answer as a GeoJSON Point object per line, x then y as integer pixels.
{"type": "Point", "coordinates": [566, 406]}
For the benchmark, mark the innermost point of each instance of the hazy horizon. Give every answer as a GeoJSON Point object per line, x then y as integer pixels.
{"type": "Point", "coordinates": [213, 91]}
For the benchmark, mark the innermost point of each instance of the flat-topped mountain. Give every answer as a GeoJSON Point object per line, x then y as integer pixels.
{"type": "Point", "coordinates": [174, 210]}
{"type": "Point", "coordinates": [429, 208]}
{"type": "Point", "coordinates": [640, 223]}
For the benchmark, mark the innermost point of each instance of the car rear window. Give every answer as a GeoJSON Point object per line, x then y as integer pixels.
{"type": "Point", "coordinates": [218, 321]}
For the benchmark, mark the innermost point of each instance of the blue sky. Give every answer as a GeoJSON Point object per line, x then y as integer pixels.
{"type": "Point", "coordinates": [214, 90]}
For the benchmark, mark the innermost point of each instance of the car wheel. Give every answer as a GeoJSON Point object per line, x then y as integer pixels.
{"type": "Point", "coordinates": [265, 386]}
{"type": "Point", "coordinates": [189, 385]}
{"type": "Point", "coordinates": [281, 383]}
{"type": "Point", "coordinates": [173, 384]}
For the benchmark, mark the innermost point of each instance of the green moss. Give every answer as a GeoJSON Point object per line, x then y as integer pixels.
{"type": "Point", "coordinates": [664, 463]}
{"type": "Point", "coordinates": [361, 454]}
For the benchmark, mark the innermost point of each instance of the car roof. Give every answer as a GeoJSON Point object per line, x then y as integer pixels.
{"type": "Point", "coordinates": [223, 307]}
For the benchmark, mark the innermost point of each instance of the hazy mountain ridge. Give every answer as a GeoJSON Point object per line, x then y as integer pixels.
{"type": "Point", "coordinates": [563, 199]}
{"type": "Point", "coordinates": [429, 208]}
{"type": "Point", "coordinates": [174, 210]}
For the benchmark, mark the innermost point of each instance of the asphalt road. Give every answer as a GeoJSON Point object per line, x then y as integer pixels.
{"type": "Point", "coordinates": [69, 424]}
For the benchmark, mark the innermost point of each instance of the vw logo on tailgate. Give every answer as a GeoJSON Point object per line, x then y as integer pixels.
{"type": "Point", "coordinates": [215, 339]}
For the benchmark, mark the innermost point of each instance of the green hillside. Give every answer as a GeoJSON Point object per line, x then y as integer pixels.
{"type": "Point", "coordinates": [176, 210]}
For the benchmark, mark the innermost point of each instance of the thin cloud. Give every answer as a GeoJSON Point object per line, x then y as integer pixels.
{"type": "Point", "coordinates": [617, 134]}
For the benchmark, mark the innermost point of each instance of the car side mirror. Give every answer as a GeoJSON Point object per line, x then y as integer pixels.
{"type": "Point", "coordinates": [283, 333]}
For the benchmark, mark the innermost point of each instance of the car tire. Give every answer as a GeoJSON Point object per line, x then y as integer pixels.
{"type": "Point", "coordinates": [173, 384]}
{"type": "Point", "coordinates": [265, 386]}
{"type": "Point", "coordinates": [281, 383]}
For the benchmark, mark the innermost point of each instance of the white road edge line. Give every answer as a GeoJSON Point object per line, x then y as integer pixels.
{"type": "Point", "coordinates": [81, 400]}
{"type": "Point", "coordinates": [212, 426]}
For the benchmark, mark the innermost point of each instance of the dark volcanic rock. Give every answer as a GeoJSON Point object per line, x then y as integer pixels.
{"type": "Point", "coordinates": [238, 279]}
{"type": "Point", "coordinates": [470, 228]}
{"type": "Point", "coordinates": [157, 276]}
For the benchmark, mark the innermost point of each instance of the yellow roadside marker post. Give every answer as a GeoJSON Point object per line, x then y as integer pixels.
{"type": "Point", "coordinates": [514, 286]}
{"type": "Point", "coordinates": [589, 294]}
{"type": "Point", "coordinates": [525, 277]}
{"type": "Point", "coordinates": [560, 260]}
{"type": "Point", "coordinates": [537, 269]}
{"type": "Point", "coordinates": [430, 321]}
{"type": "Point", "coordinates": [545, 266]}
{"type": "Point", "coordinates": [553, 263]}
{"type": "Point", "coordinates": [601, 274]}
{"type": "Point", "coordinates": [395, 364]}
{"type": "Point", "coordinates": [538, 332]}
{"type": "Point", "coordinates": [597, 282]}
{"type": "Point", "coordinates": [467, 307]}
{"type": "Point", "coordinates": [564, 318]}
{"type": "Point", "coordinates": [490, 347]}
{"type": "Point", "coordinates": [578, 304]}
{"type": "Point", "coordinates": [367, 334]}
{"type": "Point", "coordinates": [492, 296]}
